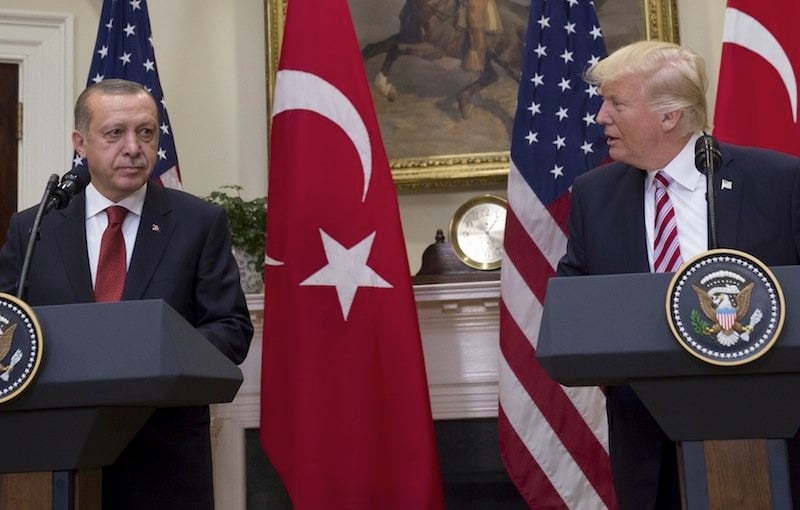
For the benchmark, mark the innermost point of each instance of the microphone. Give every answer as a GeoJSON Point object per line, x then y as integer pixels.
{"type": "Point", "coordinates": [707, 156]}
{"type": "Point", "coordinates": [708, 159]}
{"type": "Point", "coordinates": [72, 183]}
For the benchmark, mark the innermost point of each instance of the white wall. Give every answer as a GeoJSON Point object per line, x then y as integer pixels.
{"type": "Point", "coordinates": [210, 56]}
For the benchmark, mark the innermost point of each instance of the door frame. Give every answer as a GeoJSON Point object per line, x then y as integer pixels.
{"type": "Point", "coordinates": [41, 43]}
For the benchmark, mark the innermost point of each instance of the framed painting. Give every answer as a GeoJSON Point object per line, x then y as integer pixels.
{"type": "Point", "coordinates": [435, 137]}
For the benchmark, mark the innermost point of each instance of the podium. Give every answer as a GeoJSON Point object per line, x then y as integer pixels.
{"type": "Point", "coordinates": [106, 367]}
{"type": "Point", "coordinates": [613, 329]}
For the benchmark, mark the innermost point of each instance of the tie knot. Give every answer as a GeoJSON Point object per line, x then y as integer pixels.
{"type": "Point", "coordinates": [663, 180]}
{"type": "Point", "coordinates": [116, 214]}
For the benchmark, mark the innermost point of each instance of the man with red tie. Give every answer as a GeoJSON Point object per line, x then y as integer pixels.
{"type": "Point", "coordinates": [127, 239]}
{"type": "Point", "coordinates": [646, 212]}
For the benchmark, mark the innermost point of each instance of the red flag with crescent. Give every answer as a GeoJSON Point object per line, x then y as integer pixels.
{"type": "Point", "coordinates": [757, 95]}
{"type": "Point", "coordinates": [345, 412]}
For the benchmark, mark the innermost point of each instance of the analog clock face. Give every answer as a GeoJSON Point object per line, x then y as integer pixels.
{"type": "Point", "coordinates": [476, 232]}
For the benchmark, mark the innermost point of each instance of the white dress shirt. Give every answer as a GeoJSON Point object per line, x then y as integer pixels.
{"type": "Point", "coordinates": [688, 196]}
{"type": "Point", "coordinates": [97, 220]}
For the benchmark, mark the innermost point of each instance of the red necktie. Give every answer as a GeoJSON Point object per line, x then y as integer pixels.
{"type": "Point", "coordinates": [111, 265]}
{"type": "Point", "coordinates": [667, 249]}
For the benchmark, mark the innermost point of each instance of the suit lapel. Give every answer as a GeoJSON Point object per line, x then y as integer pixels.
{"type": "Point", "coordinates": [634, 209]}
{"type": "Point", "coordinates": [728, 185]}
{"type": "Point", "coordinates": [155, 230]}
{"type": "Point", "coordinates": [70, 233]}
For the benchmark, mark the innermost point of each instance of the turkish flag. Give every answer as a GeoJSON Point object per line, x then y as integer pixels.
{"type": "Point", "coordinates": [345, 412]}
{"type": "Point", "coordinates": [757, 95]}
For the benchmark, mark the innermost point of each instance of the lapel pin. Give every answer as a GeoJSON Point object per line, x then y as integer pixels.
{"type": "Point", "coordinates": [155, 228]}
{"type": "Point", "coordinates": [726, 184]}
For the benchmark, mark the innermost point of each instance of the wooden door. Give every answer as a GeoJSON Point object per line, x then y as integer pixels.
{"type": "Point", "coordinates": [9, 141]}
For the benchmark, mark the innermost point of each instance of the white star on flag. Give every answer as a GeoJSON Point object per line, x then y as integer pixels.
{"type": "Point", "coordinates": [544, 22]}
{"type": "Point", "coordinates": [347, 270]}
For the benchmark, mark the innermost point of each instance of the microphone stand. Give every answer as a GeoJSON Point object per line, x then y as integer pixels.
{"type": "Point", "coordinates": [34, 236]}
{"type": "Point", "coordinates": [710, 195]}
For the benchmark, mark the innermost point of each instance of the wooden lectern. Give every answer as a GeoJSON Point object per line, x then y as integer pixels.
{"type": "Point", "coordinates": [106, 368]}
{"type": "Point", "coordinates": [731, 422]}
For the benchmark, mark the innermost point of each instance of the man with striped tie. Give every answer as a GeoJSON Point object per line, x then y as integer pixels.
{"type": "Point", "coordinates": [647, 212]}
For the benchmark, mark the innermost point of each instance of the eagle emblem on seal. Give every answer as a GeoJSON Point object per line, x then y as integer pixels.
{"type": "Point", "coordinates": [725, 300]}
{"type": "Point", "coordinates": [6, 336]}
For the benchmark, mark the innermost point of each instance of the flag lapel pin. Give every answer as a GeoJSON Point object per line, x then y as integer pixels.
{"type": "Point", "coordinates": [726, 184]}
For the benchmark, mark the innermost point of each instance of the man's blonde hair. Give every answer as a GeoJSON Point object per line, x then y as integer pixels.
{"type": "Point", "coordinates": [674, 78]}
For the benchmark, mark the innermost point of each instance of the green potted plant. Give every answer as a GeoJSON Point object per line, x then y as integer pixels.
{"type": "Point", "coordinates": [247, 222]}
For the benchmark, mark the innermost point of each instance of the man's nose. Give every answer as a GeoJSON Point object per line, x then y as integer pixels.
{"type": "Point", "coordinates": [132, 144]}
{"type": "Point", "coordinates": [603, 116]}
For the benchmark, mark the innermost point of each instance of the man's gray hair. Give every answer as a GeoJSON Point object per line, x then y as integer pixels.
{"type": "Point", "coordinates": [114, 86]}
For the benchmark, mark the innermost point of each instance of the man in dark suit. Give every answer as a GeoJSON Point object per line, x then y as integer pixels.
{"type": "Point", "coordinates": [177, 248]}
{"type": "Point", "coordinates": [654, 110]}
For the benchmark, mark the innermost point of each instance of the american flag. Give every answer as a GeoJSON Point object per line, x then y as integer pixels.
{"type": "Point", "coordinates": [124, 49]}
{"type": "Point", "coordinates": [553, 439]}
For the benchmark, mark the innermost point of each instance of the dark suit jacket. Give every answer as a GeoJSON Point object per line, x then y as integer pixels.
{"type": "Point", "coordinates": [759, 214]}
{"type": "Point", "coordinates": [183, 256]}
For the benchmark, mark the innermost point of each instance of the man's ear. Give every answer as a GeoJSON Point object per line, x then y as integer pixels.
{"type": "Point", "coordinates": [670, 120]}
{"type": "Point", "coordinates": [79, 143]}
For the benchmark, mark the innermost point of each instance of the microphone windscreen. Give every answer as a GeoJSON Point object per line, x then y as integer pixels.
{"type": "Point", "coordinates": [706, 150]}
{"type": "Point", "coordinates": [80, 178]}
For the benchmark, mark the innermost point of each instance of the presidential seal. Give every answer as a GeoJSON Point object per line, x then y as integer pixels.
{"type": "Point", "coordinates": [725, 307]}
{"type": "Point", "coordinates": [20, 347]}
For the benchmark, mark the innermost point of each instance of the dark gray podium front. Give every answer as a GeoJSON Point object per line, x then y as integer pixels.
{"type": "Point", "coordinates": [606, 330]}
{"type": "Point", "coordinates": [106, 368]}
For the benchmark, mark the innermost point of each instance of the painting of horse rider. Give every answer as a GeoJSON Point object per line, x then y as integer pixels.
{"type": "Point", "coordinates": [445, 72]}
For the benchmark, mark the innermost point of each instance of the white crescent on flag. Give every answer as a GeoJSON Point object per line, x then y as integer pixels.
{"type": "Point", "coordinates": [300, 90]}
{"type": "Point", "coordinates": [748, 32]}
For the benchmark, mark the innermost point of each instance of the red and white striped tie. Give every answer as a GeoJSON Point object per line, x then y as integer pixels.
{"type": "Point", "coordinates": [667, 250]}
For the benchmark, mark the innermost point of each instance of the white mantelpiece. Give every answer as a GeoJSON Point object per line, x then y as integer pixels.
{"type": "Point", "coordinates": [459, 323]}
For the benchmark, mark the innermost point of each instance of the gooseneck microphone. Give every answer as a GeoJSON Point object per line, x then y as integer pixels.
{"type": "Point", "coordinates": [57, 194]}
{"type": "Point", "coordinates": [72, 183]}
{"type": "Point", "coordinates": [708, 159]}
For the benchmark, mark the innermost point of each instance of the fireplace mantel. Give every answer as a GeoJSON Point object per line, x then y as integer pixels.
{"type": "Point", "coordinates": [459, 323]}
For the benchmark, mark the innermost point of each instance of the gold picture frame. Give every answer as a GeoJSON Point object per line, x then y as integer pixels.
{"type": "Point", "coordinates": [455, 166]}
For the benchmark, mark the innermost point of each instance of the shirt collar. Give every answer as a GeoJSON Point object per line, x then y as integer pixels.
{"type": "Point", "coordinates": [682, 168]}
{"type": "Point", "coordinates": [96, 203]}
